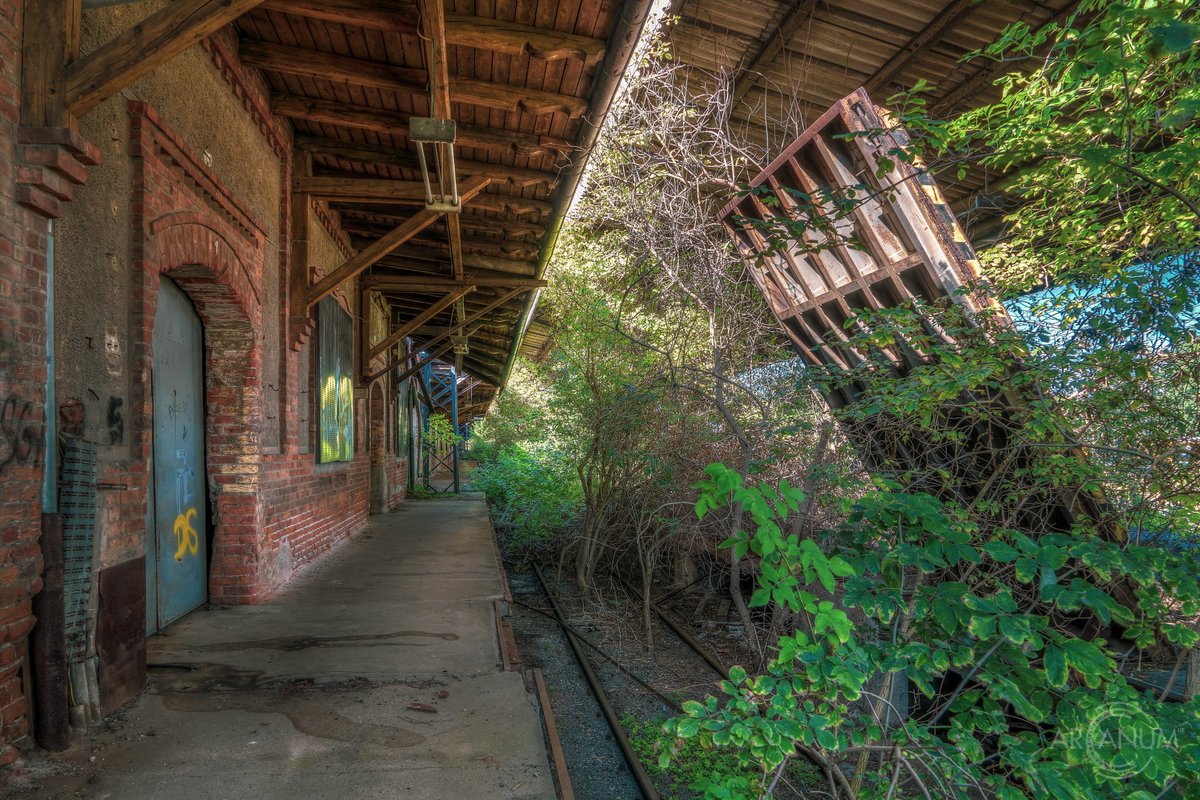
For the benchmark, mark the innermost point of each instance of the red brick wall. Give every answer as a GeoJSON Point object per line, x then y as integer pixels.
{"type": "Point", "coordinates": [271, 513]}
{"type": "Point", "coordinates": [397, 469]}
{"type": "Point", "coordinates": [22, 387]}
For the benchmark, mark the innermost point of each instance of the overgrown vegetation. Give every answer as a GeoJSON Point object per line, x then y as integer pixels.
{"type": "Point", "coordinates": [1022, 634]}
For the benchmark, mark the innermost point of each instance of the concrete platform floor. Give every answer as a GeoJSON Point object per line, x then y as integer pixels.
{"type": "Point", "coordinates": [375, 674]}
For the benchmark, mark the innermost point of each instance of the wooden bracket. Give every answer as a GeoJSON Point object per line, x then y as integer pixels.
{"type": "Point", "coordinates": [457, 326]}
{"type": "Point", "coordinates": [416, 322]}
{"type": "Point", "coordinates": [386, 244]}
{"type": "Point", "coordinates": [144, 47]}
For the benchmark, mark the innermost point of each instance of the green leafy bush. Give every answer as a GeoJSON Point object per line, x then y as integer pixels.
{"type": "Point", "coordinates": [1038, 711]}
{"type": "Point", "coordinates": [533, 495]}
{"type": "Point", "coordinates": [694, 765]}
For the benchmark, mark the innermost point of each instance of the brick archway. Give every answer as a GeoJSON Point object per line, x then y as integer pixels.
{"type": "Point", "coordinates": [188, 227]}
{"type": "Point", "coordinates": [202, 265]}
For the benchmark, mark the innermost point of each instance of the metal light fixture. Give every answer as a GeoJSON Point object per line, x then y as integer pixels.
{"type": "Point", "coordinates": [439, 135]}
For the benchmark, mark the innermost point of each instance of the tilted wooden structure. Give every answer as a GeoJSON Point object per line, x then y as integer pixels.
{"type": "Point", "coordinates": [898, 244]}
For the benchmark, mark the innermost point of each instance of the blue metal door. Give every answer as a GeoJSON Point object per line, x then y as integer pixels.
{"type": "Point", "coordinates": [180, 522]}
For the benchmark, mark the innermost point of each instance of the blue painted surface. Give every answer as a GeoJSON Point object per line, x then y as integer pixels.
{"type": "Point", "coordinates": [180, 515]}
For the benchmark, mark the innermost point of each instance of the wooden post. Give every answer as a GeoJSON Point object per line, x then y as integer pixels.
{"type": "Point", "coordinates": [49, 45]}
{"type": "Point", "coordinates": [298, 262]}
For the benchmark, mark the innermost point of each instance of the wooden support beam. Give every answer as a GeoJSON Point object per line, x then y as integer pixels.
{"type": "Point", "coordinates": [433, 30]}
{"type": "Point", "coordinates": [502, 227]}
{"type": "Point", "coordinates": [931, 34]}
{"type": "Point", "coordinates": [375, 75]}
{"type": "Point", "coordinates": [351, 13]}
{"type": "Point", "coordinates": [462, 30]}
{"type": "Point", "coordinates": [498, 203]}
{"type": "Point", "coordinates": [745, 76]}
{"type": "Point", "coordinates": [515, 249]}
{"type": "Point", "coordinates": [316, 64]}
{"type": "Point", "coordinates": [336, 188]}
{"type": "Point", "coordinates": [470, 260]}
{"type": "Point", "coordinates": [425, 316]}
{"type": "Point", "coordinates": [390, 156]}
{"type": "Point", "coordinates": [456, 247]}
{"type": "Point", "coordinates": [50, 43]}
{"type": "Point", "coordinates": [401, 282]}
{"type": "Point", "coordinates": [459, 325]}
{"type": "Point", "coordinates": [146, 46]}
{"type": "Point", "coordinates": [298, 256]}
{"type": "Point", "coordinates": [380, 248]}
{"type": "Point", "coordinates": [393, 123]}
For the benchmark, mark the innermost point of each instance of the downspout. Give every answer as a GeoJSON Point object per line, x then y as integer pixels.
{"type": "Point", "coordinates": [48, 641]}
{"type": "Point", "coordinates": [621, 45]}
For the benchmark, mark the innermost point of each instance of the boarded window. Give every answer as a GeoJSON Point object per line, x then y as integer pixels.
{"type": "Point", "coordinates": [335, 381]}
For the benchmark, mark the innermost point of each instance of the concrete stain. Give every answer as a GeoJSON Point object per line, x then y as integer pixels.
{"type": "Point", "coordinates": [213, 688]}
{"type": "Point", "coordinates": [293, 643]}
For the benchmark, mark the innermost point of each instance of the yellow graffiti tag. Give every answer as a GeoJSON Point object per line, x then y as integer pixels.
{"type": "Point", "coordinates": [185, 535]}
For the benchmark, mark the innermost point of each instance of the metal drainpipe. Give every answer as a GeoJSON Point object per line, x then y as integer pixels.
{"type": "Point", "coordinates": [621, 45]}
{"type": "Point", "coordinates": [48, 642]}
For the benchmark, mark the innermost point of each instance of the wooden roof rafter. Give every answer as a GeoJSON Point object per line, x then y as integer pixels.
{"type": "Point", "coordinates": [464, 30]}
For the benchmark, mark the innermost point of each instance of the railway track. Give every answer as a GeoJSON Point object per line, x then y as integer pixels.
{"type": "Point", "coordinates": [536, 596]}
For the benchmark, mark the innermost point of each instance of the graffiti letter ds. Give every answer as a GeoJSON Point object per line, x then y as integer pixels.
{"type": "Point", "coordinates": [185, 535]}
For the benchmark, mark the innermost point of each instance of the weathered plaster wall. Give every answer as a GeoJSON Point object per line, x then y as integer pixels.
{"type": "Point", "coordinates": [93, 279]}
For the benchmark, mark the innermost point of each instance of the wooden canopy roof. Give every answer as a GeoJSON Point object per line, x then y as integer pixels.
{"type": "Point", "coordinates": [790, 61]}
{"type": "Point", "coordinates": [526, 84]}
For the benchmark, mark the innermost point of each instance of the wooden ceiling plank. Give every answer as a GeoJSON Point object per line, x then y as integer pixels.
{"type": "Point", "coordinates": [463, 30]}
{"type": "Point", "coordinates": [386, 244]}
{"type": "Point", "coordinates": [455, 292]}
{"type": "Point", "coordinates": [146, 46]}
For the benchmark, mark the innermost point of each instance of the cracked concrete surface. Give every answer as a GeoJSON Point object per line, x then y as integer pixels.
{"type": "Point", "coordinates": [375, 674]}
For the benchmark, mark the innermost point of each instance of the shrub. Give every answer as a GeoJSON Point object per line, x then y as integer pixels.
{"type": "Point", "coordinates": [533, 496]}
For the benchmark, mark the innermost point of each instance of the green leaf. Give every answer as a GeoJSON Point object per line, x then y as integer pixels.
{"type": "Point", "coordinates": [1087, 658]}
{"type": "Point", "coordinates": [1001, 551]}
{"type": "Point", "coordinates": [1055, 663]}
